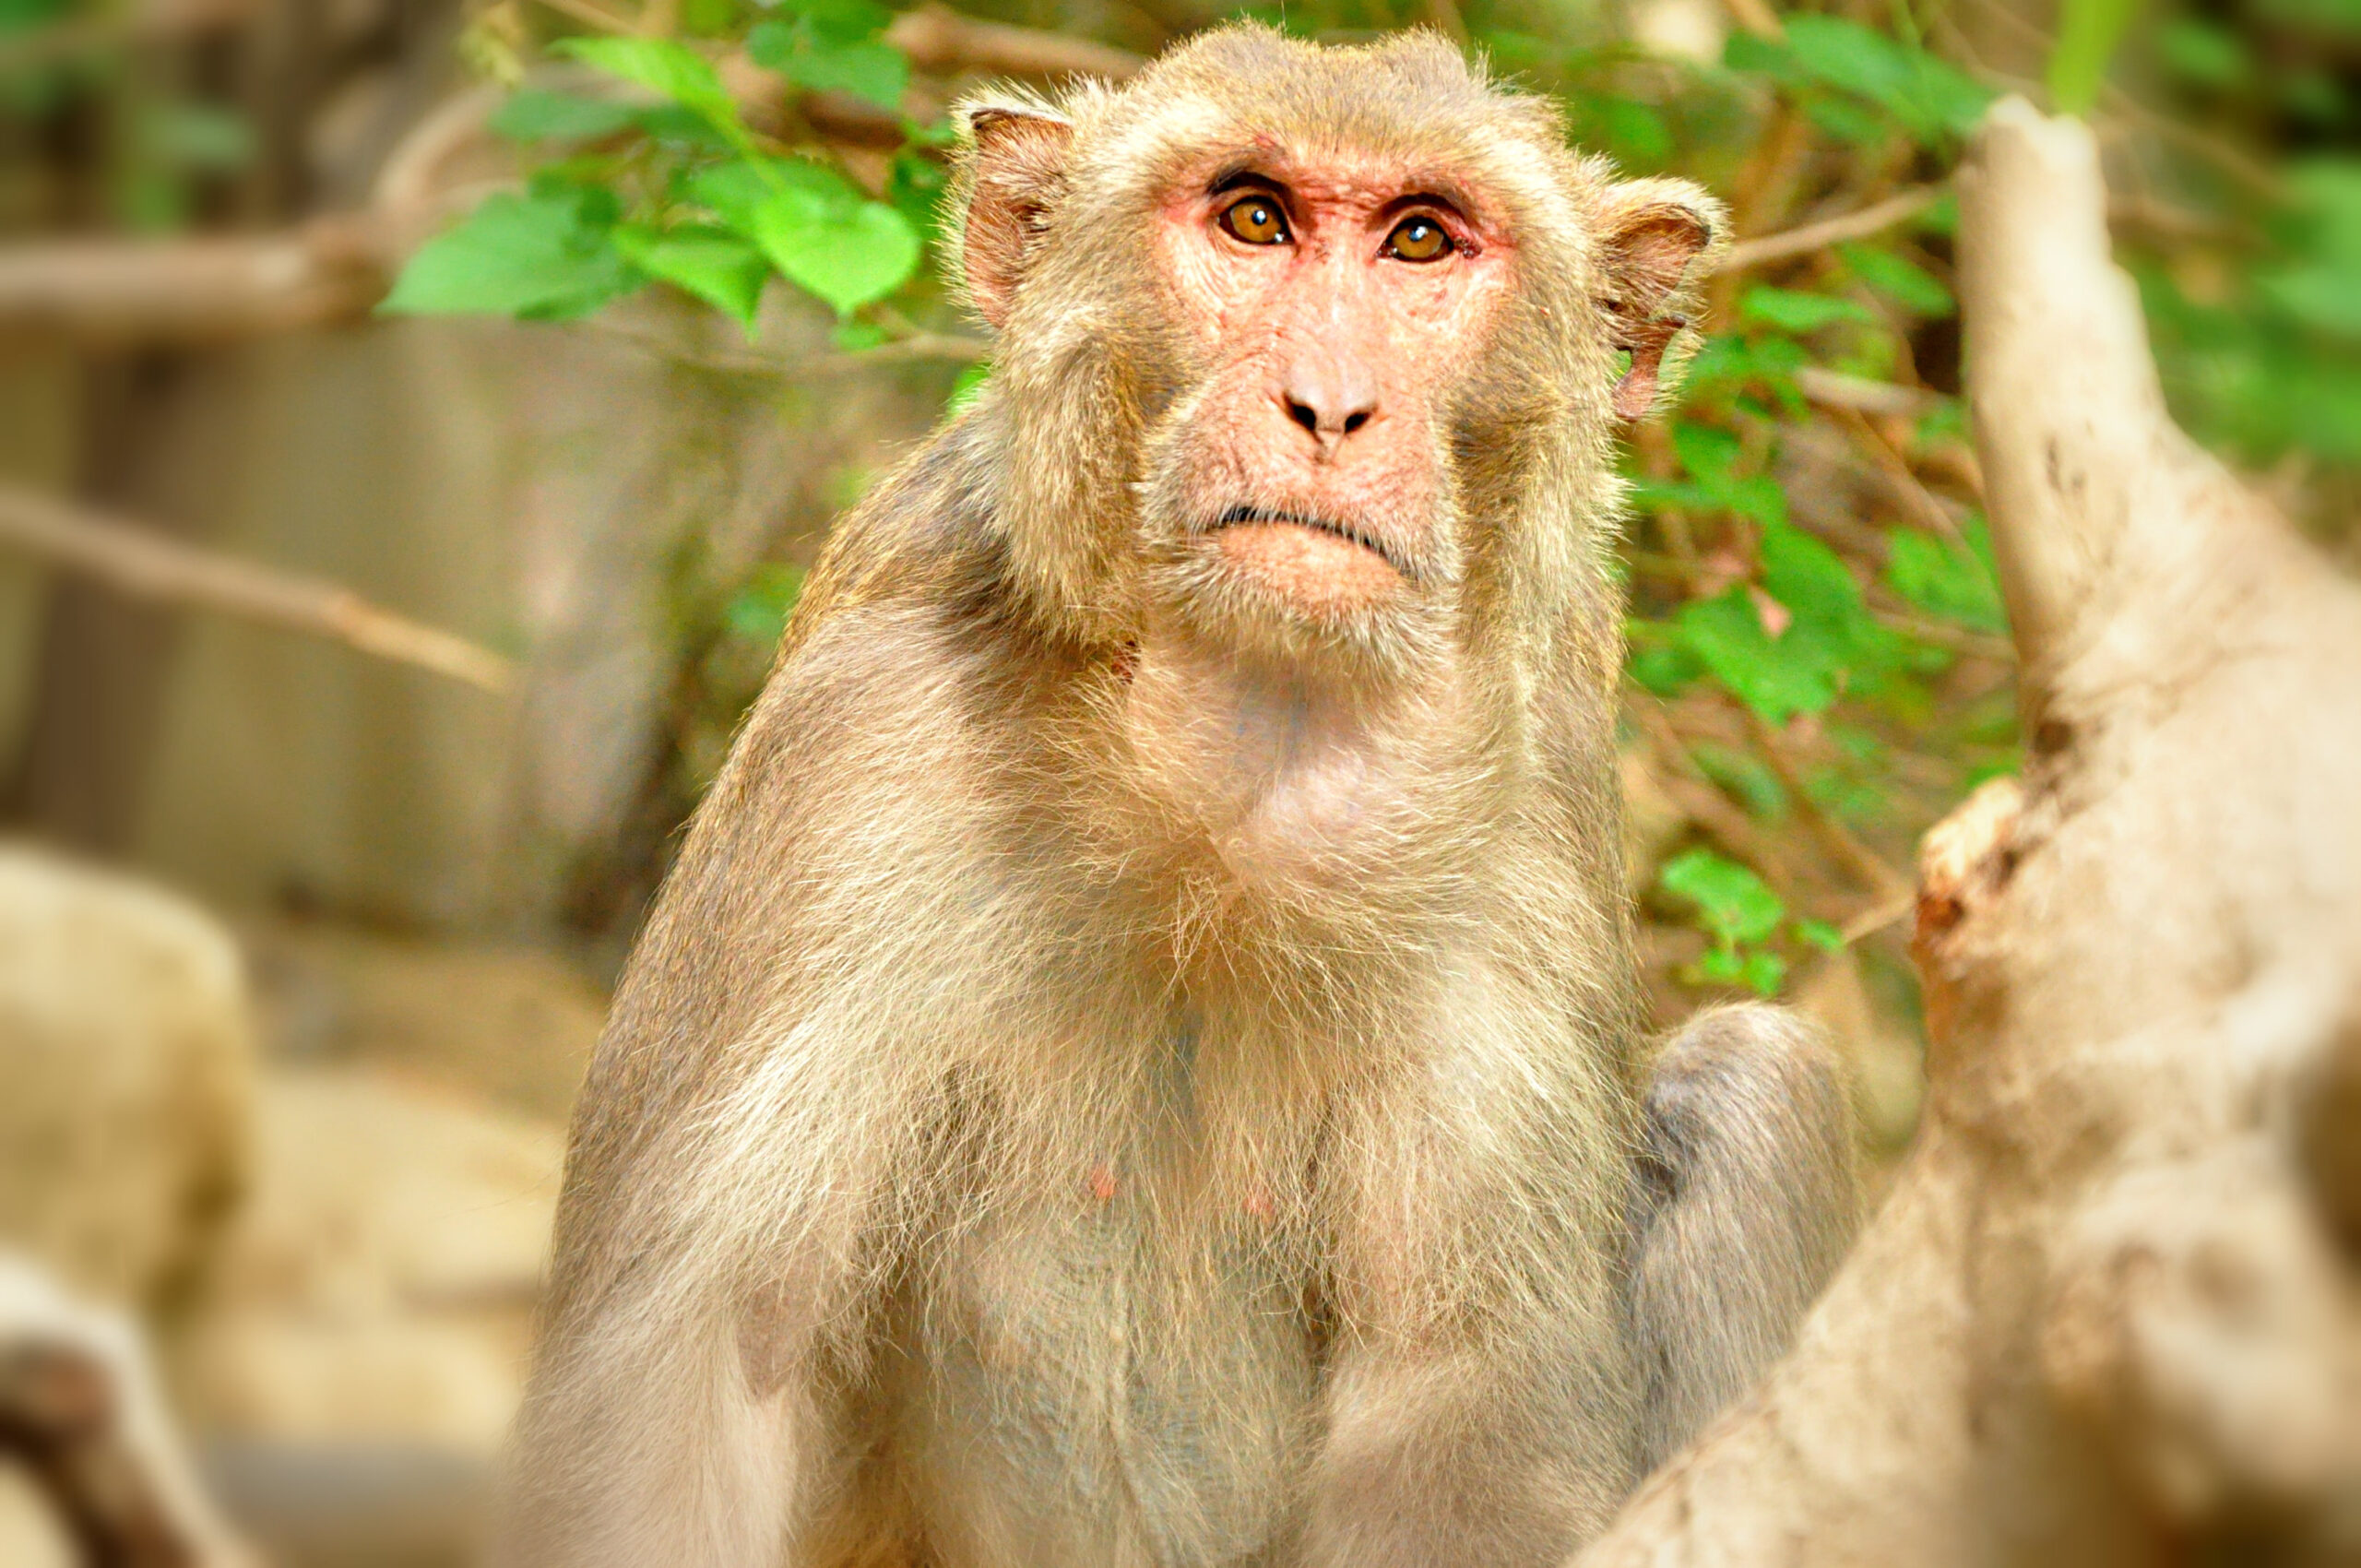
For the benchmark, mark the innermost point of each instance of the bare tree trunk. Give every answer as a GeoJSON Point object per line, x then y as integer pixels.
{"type": "Point", "coordinates": [2110, 1313]}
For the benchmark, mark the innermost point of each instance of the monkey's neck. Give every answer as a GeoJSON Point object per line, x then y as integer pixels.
{"type": "Point", "coordinates": [1294, 781]}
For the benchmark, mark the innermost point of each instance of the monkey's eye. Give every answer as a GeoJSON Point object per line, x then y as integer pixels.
{"type": "Point", "coordinates": [1257, 220]}
{"type": "Point", "coordinates": [1418, 238]}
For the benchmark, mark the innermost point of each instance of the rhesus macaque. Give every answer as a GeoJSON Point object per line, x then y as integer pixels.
{"type": "Point", "coordinates": [1139, 1061]}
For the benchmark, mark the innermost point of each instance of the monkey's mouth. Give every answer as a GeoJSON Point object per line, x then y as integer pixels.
{"type": "Point", "coordinates": [1267, 518]}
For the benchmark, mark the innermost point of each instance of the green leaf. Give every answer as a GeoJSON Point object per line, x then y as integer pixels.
{"type": "Point", "coordinates": [718, 267]}
{"type": "Point", "coordinates": [534, 115]}
{"type": "Point", "coordinates": [835, 21]}
{"type": "Point", "coordinates": [847, 258]}
{"type": "Point", "coordinates": [1792, 311]}
{"type": "Point", "coordinates": [670, 69]}
{"type": "Point", "coordinates": [735, 193]}
{"type": "Point", "coordinates": [1907, 284]}
{"type": "Point", "coordinates": [1734, 906]}
{"type": "Point", "coordinates": [543, 256]}
{"type": "Point", "coordinates": [1946, 581]}
{"type": "Point", "coordinates": [875, 72]}
{"type": "Point", "coordinates": [915, 185]}
{"type": "Point", "coordinates": [1934, 99]}
{"type": "Point", "coordinates": [1778, 678]}
{"type": "Point", "coordinates": [2088, 31]}
{"type": "Point", "coordinates": [1808, 578]}
{"type": "Point", "coordinates": [1764, 972]}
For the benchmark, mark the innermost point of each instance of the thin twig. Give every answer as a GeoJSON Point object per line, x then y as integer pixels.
{"type": "Point", "coordinates": [1897, 471]}
{"type": "Point", "coordinates": [1957, 639]}
{"type": "Point", "coordinates": [1878, 916]}
{"type": "Point", "coordinates": [146, 564]}
{"type": "Point", "coordinates": [1835, 389]}
{"type": "Point", "coordinates": [951, 348]}
{"type": "Point", "coordinates": [1839, 839]}
{"type": "Point", "coordinates": [1874, 219]}
{"type": "Point", "coordinates": [1702, 800]}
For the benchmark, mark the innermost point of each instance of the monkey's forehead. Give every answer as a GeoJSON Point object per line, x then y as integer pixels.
{"type": "Point", "coordinates": [1247, 94]}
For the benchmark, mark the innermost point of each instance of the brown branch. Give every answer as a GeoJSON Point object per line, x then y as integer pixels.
{"type": "Point", "coordinates": [144, 565]}
{"type": "Point", "coordinates": [1875, 219]}
{"type": "Point", "coordinates": [943, 43]}
{"type": "Point", "coordinates": [1887, 399]}
{"type": "Point", "coordinates": [199, 291]}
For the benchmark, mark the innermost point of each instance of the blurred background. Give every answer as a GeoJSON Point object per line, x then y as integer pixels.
{"type": "Point", "coordinates": [416, 417]}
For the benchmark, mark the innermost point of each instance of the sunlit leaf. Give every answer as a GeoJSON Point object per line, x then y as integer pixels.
{"type": "Point", "coordinates": [872, 71]}
{"type": "Point", "coordinates": [719, 267]}
{"type": "Point", "coordinates": [847, 258]}
{"type": "Point", "coordinates": [1733, 904]}
{"type": "Point", "coordinates": [1778, 678]}
{"type": "Point", "coordinates": [542, 256]}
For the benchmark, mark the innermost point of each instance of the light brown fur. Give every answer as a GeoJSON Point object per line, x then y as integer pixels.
{"type": "Point", "coordinates": [1121, 1074]}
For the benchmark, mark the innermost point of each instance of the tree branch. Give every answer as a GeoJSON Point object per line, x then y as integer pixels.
{"type": "Point", "coordinates": [1875, 219]}
{"type": "Point", "coordinates": [943, 43]}
{"type": "Point", "coordinates": [146, 564]}
{"type": "Point", "coordinates": [2102, 1315]}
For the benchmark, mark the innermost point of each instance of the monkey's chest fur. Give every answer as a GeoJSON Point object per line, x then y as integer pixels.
{"type": "Point", "coordinates": [1169, 1434]}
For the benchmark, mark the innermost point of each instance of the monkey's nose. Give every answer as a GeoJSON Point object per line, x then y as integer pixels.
{"type": "Point", "coordinates": [1329, 401]}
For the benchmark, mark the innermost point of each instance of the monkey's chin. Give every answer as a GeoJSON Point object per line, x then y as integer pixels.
{"type": "Point", "coordinates": [1316, 570]}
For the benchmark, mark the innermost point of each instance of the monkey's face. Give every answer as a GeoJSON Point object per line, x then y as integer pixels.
{"type": "Point", "coordinates": [1329, 307]}
{"type": "Point", "coordinates": [1308, 352]}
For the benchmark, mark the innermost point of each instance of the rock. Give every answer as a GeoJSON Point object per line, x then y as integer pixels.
{"type": "Point", "coordinates": [378, 1288]}
{"type": "Point", "coordinates": [129, 1053]}
{"type": "Point", "coordinates": [512, 1026]}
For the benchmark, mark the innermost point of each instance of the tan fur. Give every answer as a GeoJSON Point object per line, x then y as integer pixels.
{"type": "Point", "coordinates": [1007, 1148]}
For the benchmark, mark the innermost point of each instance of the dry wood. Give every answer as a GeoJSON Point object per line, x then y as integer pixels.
{"type": "Point", "coordinates": [146, 564]}
{"type": "Point", "coordinates": [2109, 1312]}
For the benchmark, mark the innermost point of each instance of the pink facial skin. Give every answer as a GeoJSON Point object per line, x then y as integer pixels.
{"type": "Point", "coordinates": [1327, 351]}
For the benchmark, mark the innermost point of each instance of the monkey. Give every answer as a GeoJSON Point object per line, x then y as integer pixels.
{"type": "Point", "coordinates": [1139, 1058]}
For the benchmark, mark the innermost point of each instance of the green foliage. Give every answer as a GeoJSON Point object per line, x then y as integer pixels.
{"type": "Point", "coordinates": [1880, 81]}
{"type": "Point", "coordinates": [1814, 605]}
{"type": "Point", "coordinates": [681, 191]}
{"type": "Point", "coordinates": [833, 45]}
{"type": "Point", "coordinates": [548, 255]}
{"type": "Point", "coordinates": [1743, 918]}
{"type": "Point", "coordinates": [2088, 31]}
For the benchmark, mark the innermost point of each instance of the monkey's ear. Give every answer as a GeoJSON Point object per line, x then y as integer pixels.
{"type": "Point", "coordinates": [1017, 161]}
{"type": "Point", "coordinates": [1657, 240]}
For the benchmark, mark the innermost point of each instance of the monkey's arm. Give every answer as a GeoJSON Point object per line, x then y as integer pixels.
{"type": "Point", "coordinates": [1745, 1204]}
{"type": "Point", "coordinates": [752, 1117]}
{"type": "Point", "coordinates": [1479, 1404]}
